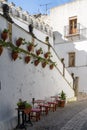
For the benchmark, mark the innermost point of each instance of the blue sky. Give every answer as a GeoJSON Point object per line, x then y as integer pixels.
{"type": "Point", "coordinates": [37, 6]}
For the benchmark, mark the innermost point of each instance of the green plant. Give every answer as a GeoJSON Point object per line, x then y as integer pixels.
{"type": "Point", "coordinates": [23, 104]}
{"type": "Point", "coordinates": [62, 95]}
{"type": "Point", "coordinates": [5, 30]}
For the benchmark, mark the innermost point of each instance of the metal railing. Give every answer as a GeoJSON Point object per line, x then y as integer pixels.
{"type": "Point", "coordinates": [68, 33]}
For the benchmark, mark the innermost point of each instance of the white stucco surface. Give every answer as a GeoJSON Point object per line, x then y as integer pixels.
{"type": "Point", "coordinates": [59, 19]}
{"type": "Point", "coordinates": [26, 81]}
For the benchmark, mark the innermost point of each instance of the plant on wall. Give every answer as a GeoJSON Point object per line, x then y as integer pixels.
{"type": "Point", "coordinates": [27, 59]}
{"type": "Point", "coordinates": [4, 34]}
{"type": "Point", "coordinates": [47, 54]}
{"type": "Point", "coordinates": [44, 60]}
{"type": "Point", "coordinates": [39, 51]}
{"type": "Point", "coordinates": [19, 41]}
{"type": "Point", "coordinates": [37, 61]}
{"type": "Point", "coordinates": [52, 64]}
{"type": "Point", "coordinates": [44, 63]}
{"type": "Point", "coordinates": [14, 55]}
{"type": "Point", "coordinates": [31, 46]}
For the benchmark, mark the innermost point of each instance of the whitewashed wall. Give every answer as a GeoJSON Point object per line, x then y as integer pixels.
{"type": "Point", "coordinates": [20, 80]}
{"type": "Point", "coordinates": [80, 69]}
{"type": "Point", "coordinates": [60, 17]}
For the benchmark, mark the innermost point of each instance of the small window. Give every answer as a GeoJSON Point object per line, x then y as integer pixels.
{"type": "Point", "coordinates": [72, 25]}
{"type": "Point", "coordinates": [71, 59]}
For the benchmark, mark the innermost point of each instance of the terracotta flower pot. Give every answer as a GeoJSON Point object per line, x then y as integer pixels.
{"type": "Point", "coordinates": [30, 47]}
{"type": "Point", "coordinates": [61, 103]}
{"type": "Point", "coordinates": [44, 64]}
{"type": "Point", "coordinates": [19, 42]}
{"type": "Point", "coordinates": [14, 55]}
{"type": "Point", "coordinates": [1, 50]}
{"type": "Point", "coordinates": [46, 55]}
{"type": "Point", "coordinates": [36, 62]}
{"type": "Point", "coordinates": [4, 35]}
{"type": "Point", "coordinates": [51, 66]}
{"type": "Point", "coordinates": [38, 52]}
{"type": "Point", "coordinates": [27, 59]}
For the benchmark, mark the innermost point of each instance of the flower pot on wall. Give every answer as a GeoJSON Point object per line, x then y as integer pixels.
{"type": "Point", "coordinates": [4, 34]}
{"type": "Point", "coordinates": [19, 42]}
{"type": "Point", "coordinates": [36, 62]}
{"type": "Point", "coordinates": [14, 55]}
{"type": "Point", "coordinates": [39, 51]}
{"type": "Point", "coordinates": [27, 59]}
{"type": "Point", "coordinates": [51, 66]}
{"type": "Point", "coordinates": [47, 55]}
{"type": "Point", "coordinates": [30, 47]}
{"type": "Point", "coordinates": [44, 64]}
{"type": "Point", "coordinates": [1, 50]}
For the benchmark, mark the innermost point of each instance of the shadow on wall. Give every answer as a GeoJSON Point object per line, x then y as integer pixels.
{"type": "Point", "coordinates": [57, 37]}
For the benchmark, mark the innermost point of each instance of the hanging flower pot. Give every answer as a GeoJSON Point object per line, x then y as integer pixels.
{"type": "Point", "coordinates": [27, 59]}
{"type": "Point", "coordinates": [47, 55]}
{"type": "Point", "coordinates": [1, 50]}
{"type": "Point", "coordinates": [14, 55]}
{"type": "Point", "coordinates": [30, 47]}
{"type": "Point", "coordinates": [39, 51]}
{"type": "Point", "coordinates": [44, 64]}
{"type": "Point", "coordinates": [36, 62]}
{"type": "Point", "coordinates": [4, 34]}
{"type": "Point", "coordinates": [19, 41]}
{"type": "Point", "coordinates": [51, 66]}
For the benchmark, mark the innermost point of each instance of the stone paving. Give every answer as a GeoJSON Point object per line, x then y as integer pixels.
{"type": "Point", "coordinates": [72, 117]}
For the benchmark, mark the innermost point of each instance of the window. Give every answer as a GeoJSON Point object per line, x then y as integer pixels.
{"type": "Point", "coordinates": [71, 59]}
{"type": "Point", "coordinates": [72, 25]}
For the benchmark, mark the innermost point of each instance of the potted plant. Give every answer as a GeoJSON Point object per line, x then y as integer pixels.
{"type": "Point", "coordinates": [4, 34]}
{"type": "Point", "coordinates": [47, 54]}
{"type": "Point", "coordinates": [23, 104]}
{"type": "Point", "coordinates": [27, 59]}
{"type": "Point", "coordinates": [37, 61]}
{"type": "Point", "coordinates": [31, 46]}
{"type": "Point", "coordinates": [1, 49]}
{"type": "Point", "coordinates": [14, 55]}
{"type": "Point", "coordinates": [44, 64]}
{"type": "Point", "coordinates": [51, 66]}
{"type": "Point", "coordinates": [62, 99]}
{"type": "Point", "coordinates": [19, 41]}
{"type": "Point", "coordinates": [39, 51]}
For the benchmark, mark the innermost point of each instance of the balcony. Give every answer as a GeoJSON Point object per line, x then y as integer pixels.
{"type": "Point", "coordinates": [77, 32]}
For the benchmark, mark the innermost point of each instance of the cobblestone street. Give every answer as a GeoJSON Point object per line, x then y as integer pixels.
{"type": "Point", "coordinates": [72, 117]}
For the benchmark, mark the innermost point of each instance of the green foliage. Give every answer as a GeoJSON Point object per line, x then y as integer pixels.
{"type": "Point", "coordinates": [5, 30]}
{"type": "Point", "coordinates": [23, 104]}
{"type": "Point", "coordinates": [62, 95]}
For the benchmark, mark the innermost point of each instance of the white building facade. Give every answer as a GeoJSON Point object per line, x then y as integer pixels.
{"type": "Point", "coordinates": [69, 22]}
{"type": "Point", "coordinates": [27, 81]}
